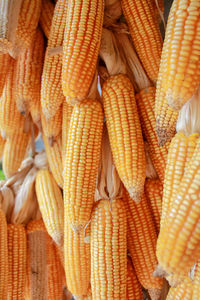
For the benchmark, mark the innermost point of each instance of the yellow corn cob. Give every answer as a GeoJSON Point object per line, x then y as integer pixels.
{"type": "Point", "coordinates": [5, 63]}
{"type": "Point", "coordinates": [2, 144]}
{"type": "Point", "coordinates": [16, 261]}
{"type": "Point", "coordinates": [145, 104]}
{"type": "Point", "coordinates": [51, 93]}
{"type": "Point", "coordinates": [134, 289]}
{"type": "Point", "coordinates": [54, 157]}
{"type": "Point", "coordinates": [77, 260]}
{"type": "Point", "coordinates": [183, 291]}
{"type": "Point", "coordinates": [181, 250]}
{"type": "Point", "coordinates": [28, 73]}
{"type": "Point", "coordinates": [66, 116]}
{"type": "Point", "coordinates": [46, 16]}
{"type": "Point", "coordinates": [52, 127]}
{"type": "Point", "coordinates": [109, 250]}
{"type": "Point", "coordinates": [180, 152]}
{"type": "Point", "coordinates": [145, 34]}
{"type": "Point", "coordinates": [142, 237]}
{"type": "Point", "coordinates": [81, 161]}
{"type": "Point", "coordinates": [3, 256]}
{"type": "Point", "coordinates": [125, 133]}
{"type": "Point", "coordinates": [81, 46]}
{"type": "Point", "coordinates": [179, 73]}
{"type": "Point", "coordinates": [51, 204]}
{"type": "Point", "coordinates": [154, 192]}
{"type": "Point", "coordinates": [196, 290]}
{"type": "Point", "coordinates": [15, 150]}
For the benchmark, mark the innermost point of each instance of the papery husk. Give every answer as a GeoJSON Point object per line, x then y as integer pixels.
{"type": "Point", "coordinates": [7, 201]}
{"type": "Point", "coordinates": [150, 170]}
{"type": "Point", "coordinates": [154, 294]}
{"type": "Point", "coordinates": [103, 74]}
{"type": "Point", "coordinates": [112, 12]}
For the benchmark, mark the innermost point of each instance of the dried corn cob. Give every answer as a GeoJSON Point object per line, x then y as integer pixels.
{"type": "Point", "coordinates": [182, 231]}
{"type": "Point", "coordinates": [2, 144]}
{"type": "Point", "coordinates": [145, 104]}
{"type": "Point", "coordinates": [46, 16]}
{"type": "Point", "coordinates": [51, 93]}
{"type": "Point", "coordinates": [77, 260]}
{"type": "Point", "coordinates": [66, 117]}
{"type": "Point", "coordinates": [109, 250]}
{"type": "Point", "coordinates": [134, 289]}
{"type": "Point", "coordinates": [54, 157]}
{"type": "Point", "coordinates": [5, 63]}
{"type": "Point", "coordinates": [16, 261]}
{"type": "Point", "coordinates": [154, 191]}
{"type": "Point", "coordinates": [51, 204]}
{"type": "Point", "coordinates": [145, 34]}
{"type": "Point", "coordinates": [81, 162]}
{"type": "Point", "coordinates": [179, 73]}
{"type": "Point", "coordinates": [142, 237]}
{"type": "Point", "coordinates": [81, 46]}
{"type": "Point", "coordinates": [125, 133]}
{"type": "Point", "coordinates": [3, 256]}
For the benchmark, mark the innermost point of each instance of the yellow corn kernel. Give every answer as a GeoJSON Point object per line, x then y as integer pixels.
{"type": "Point", "coordinates": [145, 34]}
{"type": "Point", "coordinates": [81, 46]}
{"type": "Point", "coordinates": [179, 73]}
{"type": "Point", "coordinates": [134, 289]}
{"type": "Point", "coordinates": [77, 260]}
{"type": "Point", "coordinates": [5, 64]}
{"type": "Point", "coordinates": [51, 204]}
{"type": "Point", "coordinates": [145, 104]}
{"type": "Point", "coordinates": [125, 133]}
{"type": "Point", "coordinates": [54, 157]}
{"type": "Point", "coordinates": [81, 162]}
{"type": "Point", "coordinates": [51, 91]}
{"type": "Point", "coordinates": [66, 117]}
{"type": "Point", "coordinates": [16, 261]}
{"type": "Point", "coordinates": [3, 256]}
{"type": "Point", "coordinates": [109, 250]}
{"type": "Point", "coordinates": [46, 16]}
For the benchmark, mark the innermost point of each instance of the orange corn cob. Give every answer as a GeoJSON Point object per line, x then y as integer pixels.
{"type": "Point", "coordinates": [141, 238]}
{"type": "Point", "coordinates": [183, 229]}
{"type": "Point", "coordinates": [28, 73]}
{"type": "Point", "coordinates": [51, 205]}
{"type": "Point", "coordinates": [154, 192]}
{"type": "Point", "coordinates": [109, 250]}
{"type": "Point", "coordinates": [179, 74]}
{"type": "Point", "coordinates": [2, 144]}
{"type": "Point", "coordinates": [3, 256]}
{"type": "Point", "coordinates": [16, 261]}
{"type": "Point", "coordinates": [5, 63]}
{"type": "Point", "coordinates": [145, 104]}
{"type": "Point", "coordinates": [81, 46]}
{"type": "Point", "coordinates": [54, 157]}
{"type": "Point", "coordinates": [180, 152]}
{"type": "Point", "coordinates": [145, 34]}
{"type": "Point", "coordinates": [15, 150]}
{"type": "Point", "coordinates": [66, 117]}
{"type": "Point", "coordinates": [81, 161]}
{"type": "Point", "coordinates": [77, 260]}
{"type": "Point", "coordinates": [51, 93]}
{"type": "Point", "coordinates": [134, 289]}
{"type": "Point", "coordinates": [125, 133]}
{"type": "Point", "coordinates": [46, 16]}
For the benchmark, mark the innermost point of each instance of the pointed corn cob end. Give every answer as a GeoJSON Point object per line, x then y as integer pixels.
{"type": "Point", "coordinates": [136, 193]}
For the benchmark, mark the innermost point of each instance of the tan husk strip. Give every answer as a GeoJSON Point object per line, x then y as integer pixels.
{"type": "Point", "coordinates": [112, 12]}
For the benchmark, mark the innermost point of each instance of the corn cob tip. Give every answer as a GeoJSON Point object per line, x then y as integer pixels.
{"type": "Point", "coordinates": [164, 135]}
{"type": "Point", "coordinates": [76, 228]}
{"type": "Point", "coordinates": [175, 104]}
{"type": "Point", "coordinates": [160, 272]}
{"type": "Point", "coordinates": [136, 196]}
{"type": "Point", "coordinates": [73, 101]}
{"type": "Point", "coordinates": [154, 294]}
{"type": "Point", "coordinates": [58, 238]}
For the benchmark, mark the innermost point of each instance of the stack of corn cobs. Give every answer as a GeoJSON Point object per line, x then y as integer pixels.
{"type": "Point", "coordinates": [110, 210]}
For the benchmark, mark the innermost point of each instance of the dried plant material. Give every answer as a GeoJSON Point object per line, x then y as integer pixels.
{"type": "Point", "coordinates": [112, 12]}
{"type": "Point", "coordinates": [46, 16]}
{"type": "Point", "coordinates": [154, 294]}
{"type": "Point", "coordinates": [7, 204]}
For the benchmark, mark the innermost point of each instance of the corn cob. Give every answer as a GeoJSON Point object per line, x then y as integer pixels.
{"type": "Point", "coordinates": [81, 46]}
{"type": "Point", "coordinates": [180, 152]}
{"type": "Point", "coordinates": [134, 289]}
{"type": "Point", "coordinates": [3, 256]}
{"type": "Point", "coordinates": [154, 191]}
{"type": "Point", "coordinates": [141, 238]}
{"type": "Point", "coordinates": [145, 104]}
{"type": "Point", "coordinates": [183, 291]}
{"type": "Point", "coordinates": [51, 204]}
{"type": "Point", "coordinates": [46, 16]}
{"type": "Point", "coordinates": [182, 231]}
{"type": "Point", "coordinates": [77, 261]}
{"type": "Point", "coordinates": [196, 290]}
{"type": "Point", "coordinates": [145, 34]}
{"type": "Point", "coordinates": [51, 92]}
{"type": "Point", "coordinates": [5, 63]}
{"type": "Point", "coordinates": [37, 249]}
{"type": "Point", "coordinates": [125, 133]}
{"type": "Point", "coordinates": [52, 127]}
{"type": "Point", "coordinates": [66, 116]}
{"type": "Point", "coordinates": [15, 150]}
{"type": "Point", "coordinates": [16, 261]}
{"type": "Point", "coordinates": [81, 162]}
{"type": "Point", "coordinates": [179, 73]}
{"type": "Point", "coordinates": [109, 250]}
{"type": "Point", "coordinates": [54, 157]}
{"type": "Point", "coordinates": [2, 144]}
